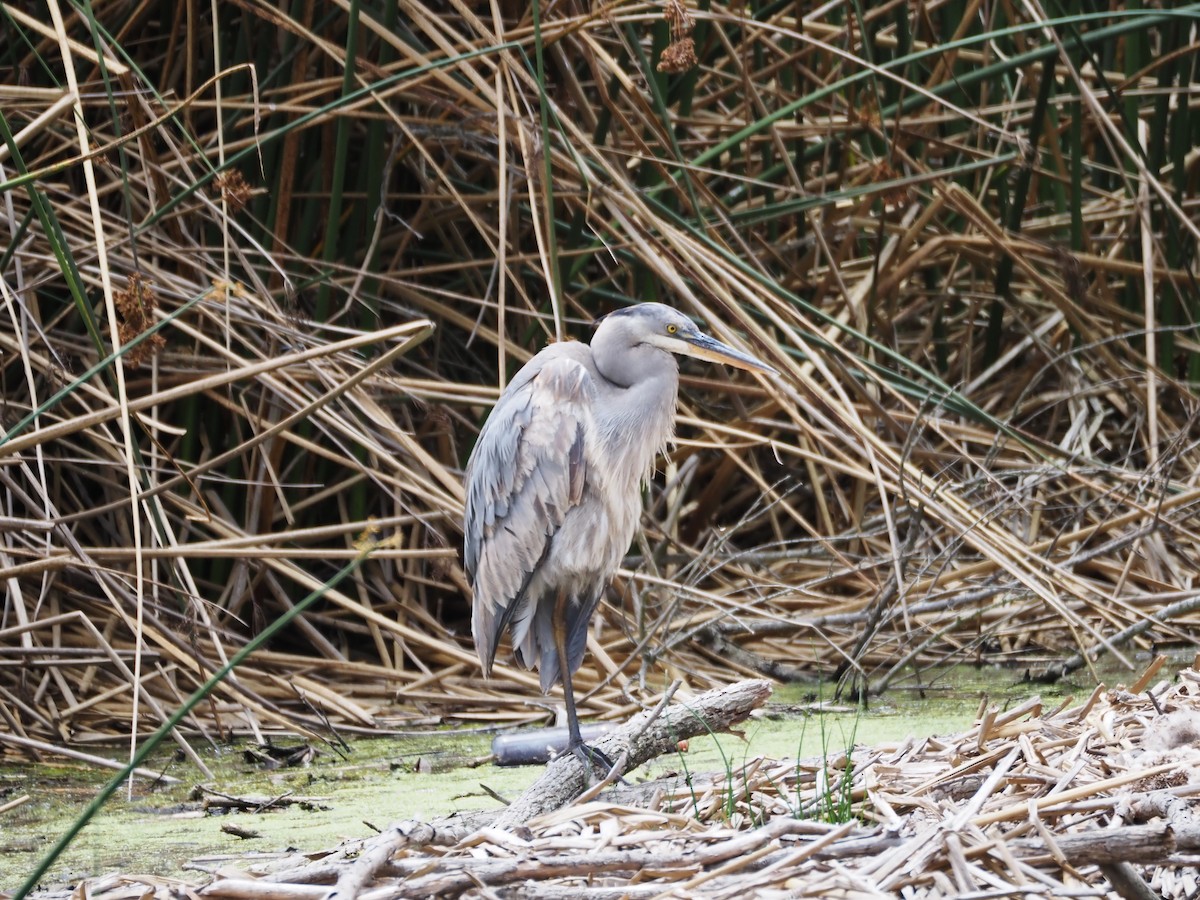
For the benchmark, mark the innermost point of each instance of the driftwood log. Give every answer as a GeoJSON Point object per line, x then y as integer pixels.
{"type": "Point", "coordinates": [645, 737]}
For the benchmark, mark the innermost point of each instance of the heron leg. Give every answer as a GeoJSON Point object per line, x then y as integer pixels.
{"type": "Point", "coordinates": [590, 756]}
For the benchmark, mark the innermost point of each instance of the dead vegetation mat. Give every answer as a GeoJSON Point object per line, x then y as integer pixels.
{"type": "Point", "coordinates": [1090, 800]}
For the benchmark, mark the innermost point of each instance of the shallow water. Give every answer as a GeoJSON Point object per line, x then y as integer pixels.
{"type": "Point", "coordinates": [385, 779]}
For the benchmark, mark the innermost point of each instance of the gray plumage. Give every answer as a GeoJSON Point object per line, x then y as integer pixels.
{"type": "Point", "coordinates": [554, 483]}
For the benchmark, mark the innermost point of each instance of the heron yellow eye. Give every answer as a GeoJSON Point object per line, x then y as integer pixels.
{"type": "Point", "coordinates": [671, 329]}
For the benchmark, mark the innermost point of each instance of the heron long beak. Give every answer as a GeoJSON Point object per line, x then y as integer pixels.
{"type": "Point", "coordinates": [702, 346]}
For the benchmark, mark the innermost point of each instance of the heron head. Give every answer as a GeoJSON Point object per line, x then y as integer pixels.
{"type": "Point", "coordinates": [668, 329]}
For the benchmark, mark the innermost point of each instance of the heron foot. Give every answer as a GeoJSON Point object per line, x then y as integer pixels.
{"type": "Point", "coordinates": [595, 760]}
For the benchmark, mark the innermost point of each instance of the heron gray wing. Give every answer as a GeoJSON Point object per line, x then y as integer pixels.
{"type": "Point", "coordinates": [526, 472]}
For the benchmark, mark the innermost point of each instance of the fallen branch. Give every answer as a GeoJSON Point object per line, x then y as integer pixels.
{"type": "Point", "coordinates": [90, 758]}
{"type": "Point", "coordinates": [565, 778]}
{"type": "Point", "coordinates": [218, 800]}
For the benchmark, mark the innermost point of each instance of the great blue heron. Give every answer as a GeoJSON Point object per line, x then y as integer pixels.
{"type": "Point", "coordinates": [554, 484]}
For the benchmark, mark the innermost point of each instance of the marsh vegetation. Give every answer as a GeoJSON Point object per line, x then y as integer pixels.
{"type": "Point", "coordinates": [266, 266]}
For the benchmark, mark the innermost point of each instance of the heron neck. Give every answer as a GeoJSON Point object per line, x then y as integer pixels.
{"type": "Point", "coordinates": [637, 422]}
